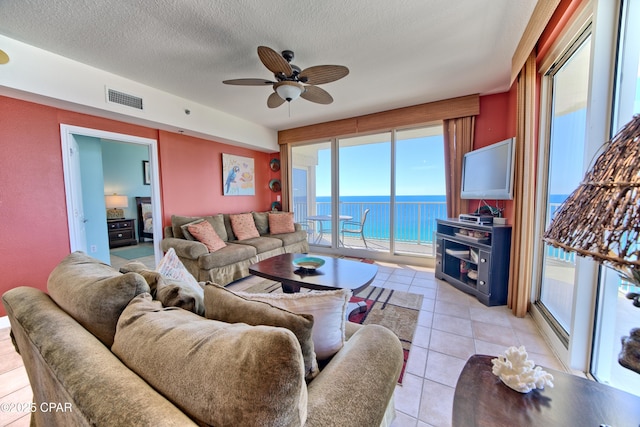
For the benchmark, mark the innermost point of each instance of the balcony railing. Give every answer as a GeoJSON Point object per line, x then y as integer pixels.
{"type": "Point", "coordinates": [558, 254]}
{"type": "Point", "coordinates": [415, 222]}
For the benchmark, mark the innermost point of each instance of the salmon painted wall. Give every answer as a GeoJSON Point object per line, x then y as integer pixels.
{"type": "Point", "coordinates": [492, 123]}
{"type": "Point", "coordinates": [495, 123]}
{"type": "Point", "coordinates": [191, 175]}
{"type": "Point", "coordinates": [33, 216]}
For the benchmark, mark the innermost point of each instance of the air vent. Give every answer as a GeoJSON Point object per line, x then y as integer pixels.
{"type": "Point", "coordinates": [122, 98]}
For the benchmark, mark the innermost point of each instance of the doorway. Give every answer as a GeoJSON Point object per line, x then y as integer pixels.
{"type": "Point", "coordinates": [77, 220]}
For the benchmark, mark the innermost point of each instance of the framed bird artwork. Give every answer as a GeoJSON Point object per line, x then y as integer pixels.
{"type": "Point", "coordinates": [238, 176]}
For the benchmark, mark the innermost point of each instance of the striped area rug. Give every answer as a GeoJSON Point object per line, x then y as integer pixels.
{"type": "Point", "coordinates": [395, 310]}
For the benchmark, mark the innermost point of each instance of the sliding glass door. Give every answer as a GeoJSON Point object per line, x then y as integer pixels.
{"type": "Point", "coordinates": [615, 315]}
{"type": "Point", "coordinates": [420, 189]}
{"type": "Point", "coordinates": [311, 183]}
{"type": "Point", "coordinates": [568, 82]}
{"type": "Point", "coordinates": [365, 188]}
{"type": "Point", "coordinates": [379, 193]}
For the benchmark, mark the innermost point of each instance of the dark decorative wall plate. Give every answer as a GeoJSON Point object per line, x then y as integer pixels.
{"type": "Point", "coordinates": [274, 185]}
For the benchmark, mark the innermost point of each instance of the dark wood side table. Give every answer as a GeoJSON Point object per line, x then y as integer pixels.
{"type": "Point", "coordinates": [481, 399]}
{"type": "Point", "coordinates": [121, 232]}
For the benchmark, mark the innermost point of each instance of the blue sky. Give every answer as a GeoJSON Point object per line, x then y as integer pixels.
{"type": "Point", "coordinates": [365, 169]}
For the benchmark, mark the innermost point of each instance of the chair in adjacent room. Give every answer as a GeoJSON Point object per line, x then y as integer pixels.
{"type": "Point", "coordinates": [355, 227]}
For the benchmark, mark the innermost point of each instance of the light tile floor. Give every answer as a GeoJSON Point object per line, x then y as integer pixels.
{"type": "Point", "coordinates": [451, 327]}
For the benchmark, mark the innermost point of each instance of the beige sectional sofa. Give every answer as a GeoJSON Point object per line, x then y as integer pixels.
{"type": "Point", "coordinates": [105, 354]}
{"type": "Point", "coordinates": [231, 262]}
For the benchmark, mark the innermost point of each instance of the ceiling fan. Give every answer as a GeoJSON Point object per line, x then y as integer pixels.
{"type": "Point", "coordinates": [292, 82]}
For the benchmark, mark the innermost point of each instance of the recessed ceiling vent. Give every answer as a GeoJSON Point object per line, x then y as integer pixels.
{"type": "Point", "coordinates": [117, 97]}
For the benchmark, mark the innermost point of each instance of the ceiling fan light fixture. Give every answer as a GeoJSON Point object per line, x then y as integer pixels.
{"type": "Point", "coordinates": [292, 82]}
{"type": "Point", "coordinates": [289, 91]}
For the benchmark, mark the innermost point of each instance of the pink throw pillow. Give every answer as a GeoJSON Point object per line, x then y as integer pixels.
{"type": "Point", "coordinates": [281, 223]}
{"type": "Point", "coordinates": [203, 231]}
{"type": "Point", "coordinates": [243, 226]}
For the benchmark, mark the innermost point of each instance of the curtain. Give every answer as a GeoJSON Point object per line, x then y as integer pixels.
{"type": "Point", "coordinates": [285, 178]}
{"type": "Point", "coordinates": [458, 140]}
{"type": "Point", "coordinates": [522, 240]}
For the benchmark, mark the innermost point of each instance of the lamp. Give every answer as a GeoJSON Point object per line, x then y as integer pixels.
{"type": "Point", "coordinates": [601, 220]}
{"type": "Point", "coordinates": [289, 90]}
{"type": "Point", "coordinates": [115, 204]}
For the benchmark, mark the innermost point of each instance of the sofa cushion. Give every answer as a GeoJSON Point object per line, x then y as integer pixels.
{"type": "Point", "coordinates": [179, 226]}
{"type": "Point", "coordinates": [329, 314]}
{"type": "Point", "coordinates": [170, 292]}
{"type": "Point", "coordinates": [178, 221]}
{"type": "Point", "coordinates": [93, 293]}
{"type": "Point", "coordinates": [204, 232]}
{"type": "Point", "coordinates": [261, 220]}
{"type": "Point", "coordinates": [185, 229]}
{"type": "Point", "coordinates": [219, 373]}
{"type": "Point", "coordinates": [262, 243]}
{"type": "Point", "coordinates": [227, 226]}
{"type": "Point", "coordinates": [217, 222]}
{"type": "Point", "coordinates": [224, 305]}
{"type": "Point", "coordinates": [243, 226]}
{"type": "Point", "coordinates": [291, 238]}
{"type": "Point", "coordinates": [230, 254]}
{"type": "Point", "coordinates": [281, 223]}
{"type": "Point", "coordinates": [150, 276]}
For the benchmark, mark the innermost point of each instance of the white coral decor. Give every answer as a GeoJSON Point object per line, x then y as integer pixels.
{"type": "Point", "coordinates": [518, 373]}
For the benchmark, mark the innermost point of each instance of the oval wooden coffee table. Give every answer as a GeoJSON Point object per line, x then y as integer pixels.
{"type": "Point", "coordinates": [336, 273]}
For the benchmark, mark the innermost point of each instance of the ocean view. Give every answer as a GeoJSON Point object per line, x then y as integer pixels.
{"type": "Point", "coordinates": [415, 215]}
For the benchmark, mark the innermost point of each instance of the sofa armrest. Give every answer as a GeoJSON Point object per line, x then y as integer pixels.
{"type": "Point", "coordinates": [357, 385]}
{"type": "Point", "coordinates": [190, 249]}
{"type": "Point", "coordinates": [71, 368]}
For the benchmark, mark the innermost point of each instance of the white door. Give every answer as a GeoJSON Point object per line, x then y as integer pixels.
{"type": "Point", "coordinates": [77, 237]}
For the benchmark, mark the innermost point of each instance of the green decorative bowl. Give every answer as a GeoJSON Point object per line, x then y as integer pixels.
{"type": "Point", "coordinates": [308, 263]}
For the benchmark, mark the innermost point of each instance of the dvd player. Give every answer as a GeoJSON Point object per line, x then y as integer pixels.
{"type": "Point", "coordinates": [476, 218]}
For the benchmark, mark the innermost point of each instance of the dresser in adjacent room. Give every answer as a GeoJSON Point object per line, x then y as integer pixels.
{"type": "Point", "coordinates": [121, 232]}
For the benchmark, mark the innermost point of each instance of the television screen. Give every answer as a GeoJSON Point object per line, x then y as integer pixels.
{"type": "Point", "coordinates": [487, 173]}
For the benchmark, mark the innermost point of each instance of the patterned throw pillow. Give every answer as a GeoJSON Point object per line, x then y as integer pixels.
{"type": "Point", "coordinates": [204, 233]}
{"type": "Point", "coordinates": [171, 267]}
{"type": "Point", "coordinates": [281, 223]}
{"type": "Point", "coordinates": [243, 226]}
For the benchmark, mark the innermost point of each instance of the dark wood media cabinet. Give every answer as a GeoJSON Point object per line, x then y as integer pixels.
{"type": "Point", "coordinates": [474, 258]}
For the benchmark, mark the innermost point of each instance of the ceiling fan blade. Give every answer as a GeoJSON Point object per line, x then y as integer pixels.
{"type": "Point", "coordinates": [274, 61]}
{"type": "Point", "coordinates": [317, 95]}
{"type": "Point", "coordinates": [248, 82]}
{"type": "Point", "coordinates": [274, 100]}
{"type": "Point", "coordinates": [321, 74]}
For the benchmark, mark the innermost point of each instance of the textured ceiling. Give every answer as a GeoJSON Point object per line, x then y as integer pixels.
{"type": "Point", "coordinates": [399, 53]}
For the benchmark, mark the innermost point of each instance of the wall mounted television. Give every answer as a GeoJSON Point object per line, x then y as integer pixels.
{"type": "Point", "coordinates": [487, 173]}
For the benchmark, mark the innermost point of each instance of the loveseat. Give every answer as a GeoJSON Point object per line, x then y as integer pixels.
{"type": "Point", "coordinates": [231, 262]}
{"type": "Point", "coordinates": [99, 351]}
